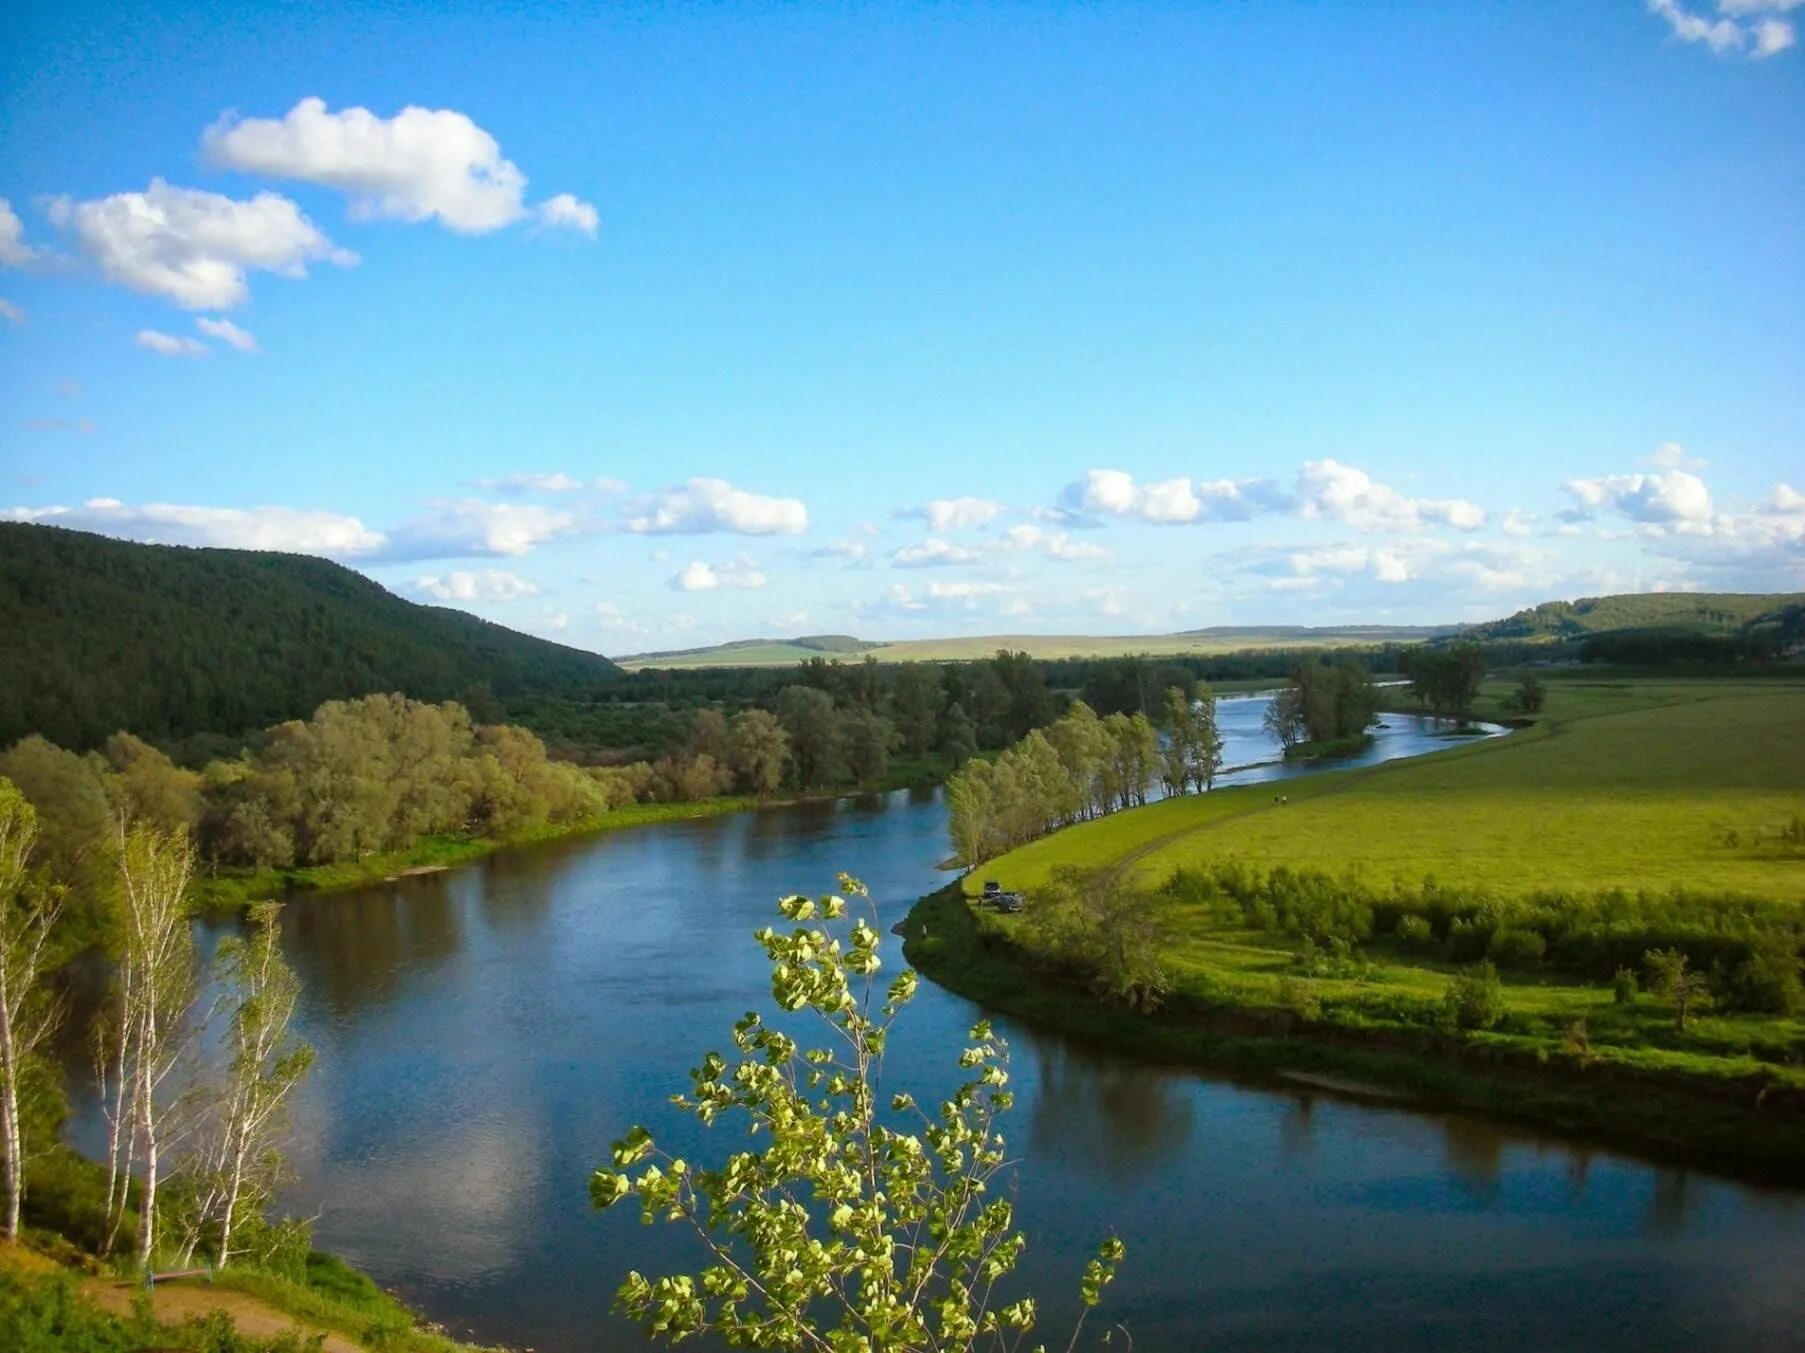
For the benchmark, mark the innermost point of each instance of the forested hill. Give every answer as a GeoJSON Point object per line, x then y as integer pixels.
{"type": "Point", "coordinates": [1722, 613]}
{"type": "Point", "coordinates": [98, 635]}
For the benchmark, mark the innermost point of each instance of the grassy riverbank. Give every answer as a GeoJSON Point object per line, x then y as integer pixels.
{"type": "Point", "coordinates": [1325, 933]}
{"type": "Point", "coordinates": [233, 889]}
{"type": "Point", "coordinates": [1734, 1122]}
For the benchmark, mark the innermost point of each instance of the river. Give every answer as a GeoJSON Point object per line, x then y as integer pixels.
{"type": "Point", "coordinates": [485, 1033]}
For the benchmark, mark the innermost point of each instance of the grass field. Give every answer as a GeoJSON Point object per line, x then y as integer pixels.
{"type": "Point", "coordinates": [1645, 786]}
{"type": "Point", "coordinates": [777, 653]}
{"type": "Point", "coordinates": [1627, 784]}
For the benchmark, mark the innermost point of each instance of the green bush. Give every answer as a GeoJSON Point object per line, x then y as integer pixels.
{"type": "Point", "coordinates": [1510, 948]}
{"type": "Point", "coordinates": [1475, 999]}
{"type": "Point", "coordinates": [1624, 986]}
{"type": "Point", "coordinates": [1415, 931]}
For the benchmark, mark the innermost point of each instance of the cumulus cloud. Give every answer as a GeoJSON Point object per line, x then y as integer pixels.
{"type": "Point", "coordinates": [566, 212]}
{"type": "Point", "coordinates": [948, 514]}
{"type": "Point", "coordinates": [492, 584]}
{"type": "Point", "coordinates": [470, 527]}
{"type": "Point", "coordinates": [850, 552]}
{"type": "Point", "coordinates": [14, 252]}
{"type": "Point", "coordinates": [283, 529]}
{"type": "Point", "coordinates": [10, 312]}
{"type": "Point", "coordinates": [1517, 522]}
{"type": "Point", "coordinates": [934, 553]}
{"type": "Point", "coordinates": [1673, 456]}
{"type": "Point", "coordinates": [193, 247]}
{"type": "Point", "coordinates": [943, 595]}
{"type": "Point", "coordinates": [421, 164]}
{"type": "Point", "coordinates": [227, 332]}
{"type": "Point", "coordinates": [171, 345]}
{"type": "Point", "coordinates": [703, 506]}
{"type": "Point", "coordinates": [1327, 488]}
{"type": "Point", "coordinates": [1671, 496]}
{"type": "Point", "coordinates": [1322, 488]}
{"type": "Point", "coordinates": [700, 576]}
{"type": "Point", "coordinates": [1415, 559]}
{"type": "Point", "coordinates": [1053, 544]}
{"type": "Point", "coordinates": [1751, 26]}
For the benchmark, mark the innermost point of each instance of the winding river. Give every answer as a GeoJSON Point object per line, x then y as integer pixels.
{"type": "Point", "coordinates": [485, 1033]}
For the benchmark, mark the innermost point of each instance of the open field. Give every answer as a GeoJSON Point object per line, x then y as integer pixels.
{"type": "Point", "coordinates": [777, 652]}
{"type": "Point", "coordinates": [1620, 784]}
{"type": "Point", "coordinates": [1685, 795]}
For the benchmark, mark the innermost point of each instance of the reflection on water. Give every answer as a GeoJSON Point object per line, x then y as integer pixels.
{"type": "Point", "coordinates": [485, 1033]}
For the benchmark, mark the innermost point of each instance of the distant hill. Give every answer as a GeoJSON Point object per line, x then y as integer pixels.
{"type": "Point", "coordinates": [165, 641]}
{"type": "Point", "coordinates": [1698, 612]}
{"type": "Point", "coordinates": [1722, 613]}
{"type": "Point", "coordinates": [1220, 639]}
{"type": "Point", "coordinates": [752, 652]}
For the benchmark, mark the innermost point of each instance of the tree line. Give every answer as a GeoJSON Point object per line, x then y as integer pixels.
{"type": "Point", "coordinates": [1081, 766]}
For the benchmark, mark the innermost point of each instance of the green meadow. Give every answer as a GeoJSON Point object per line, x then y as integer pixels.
{"type": "Point", "coordinates": [1620, 784]}
{"type": "Point", "coordinates": [1630, 815]}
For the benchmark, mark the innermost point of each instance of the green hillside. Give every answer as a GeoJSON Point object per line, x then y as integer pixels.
{"type": "Point", "coordinates": [753, 652]}
{"type": "Point", "coordinates": [165, 641]}
{"type": "Point", "coordinates": [1704, 612]}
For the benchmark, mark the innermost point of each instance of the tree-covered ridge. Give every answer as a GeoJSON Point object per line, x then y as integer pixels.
{"type": "Point", "coordinates": [166, 641]}
{"type": "Point", "coordinates": [1708, 612]}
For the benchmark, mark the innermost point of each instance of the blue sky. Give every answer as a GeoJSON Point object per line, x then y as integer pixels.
{"type": "Point", "coordinates": [652, 326]}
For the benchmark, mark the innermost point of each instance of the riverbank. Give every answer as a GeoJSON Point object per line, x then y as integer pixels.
{"type": "Point", "coordinates": [1743, 1126]}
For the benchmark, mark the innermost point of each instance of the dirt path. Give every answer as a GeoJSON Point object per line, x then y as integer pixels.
{"type": "Point", "coordinates": [175, 1301]}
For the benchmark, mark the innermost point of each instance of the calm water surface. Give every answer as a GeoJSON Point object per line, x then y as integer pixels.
{"type": "Point", "coordinates": [485, 1033]}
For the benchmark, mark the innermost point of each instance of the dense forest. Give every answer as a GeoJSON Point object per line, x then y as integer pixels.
{"type": "Point", "coordinates": [166, 642]}
{"type": "Point", "coordinates": [1702, 612]}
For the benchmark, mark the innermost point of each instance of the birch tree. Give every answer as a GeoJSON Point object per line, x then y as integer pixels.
{"type": "Point", "coordinates": [242, 1166]}
{"type": "Point", "coordinates": [154, 991]}
{"type": "Point", "coordinates": [28, 914]}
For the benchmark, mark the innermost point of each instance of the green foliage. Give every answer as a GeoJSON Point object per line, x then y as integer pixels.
{"type": "Point", "coordinates": [1674, 980]}
{"type": "Point", "coordinates": [46, 1313]}
{"type": "Point", "coordinates": [1516, 948]}
{"type": "Point", "coordinates": [1475, 999]}
{"type": "Point", "coordinates": [858, 1220]}
{"type": "Point", "coordinates": [1624, 987]}
{"type": "Point", "coordinates": [1415, 931]}
{"type": "Point", "coordinates": [1530, 696]}
{"type": "Point", "coordinates": [1445, 678]}
{"type": "Point", "coordinates": [1106, 934]}
{"type": "Point", "coordinates": [255, 638]}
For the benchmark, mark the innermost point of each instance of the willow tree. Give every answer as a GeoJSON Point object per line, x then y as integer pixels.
{"type": "Point", "coordinates": [28, 913]}
{"type": "Point", "coordinates": [852, 1219]}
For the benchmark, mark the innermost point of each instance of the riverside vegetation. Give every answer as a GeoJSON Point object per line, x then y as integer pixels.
{"type": "Point", "coordinates": [1597, 920]}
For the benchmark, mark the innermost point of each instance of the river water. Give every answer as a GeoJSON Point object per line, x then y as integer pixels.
{"type": "Point", "coordinates": [484, 1034]}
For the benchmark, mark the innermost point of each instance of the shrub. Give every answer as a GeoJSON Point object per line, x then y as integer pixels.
{"type": "Point", "coordinates": [1299, 997]}
{"type": "Point", "coordinates": [1415, 931]}
{"type": "Point", "coordinates": [1475, 999]}
{"type": "Point", "coordinates": [1511, 948]}
{"type": "Point", "coordinates": [1624, 987]}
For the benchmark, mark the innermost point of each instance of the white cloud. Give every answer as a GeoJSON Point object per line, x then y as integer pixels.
{"type": "Point", "coordinates": [226, 332]}
{"type": "Point", "coordinates": [469, 527]}
{"type": "Point", "coordinates": [194, 247]}
{"type": "Point", "coordinates": [1672, 496]}
{"type": "Point", "coordinates": [565, 212]}
{"type": "Point", "coordinates": [283, 529]}
{"type": "Point", "coordinates": [485, 585]}
{"type": "Point", "coordinates": [851, 553]}
{"type": "Point", "coordinates": [14, 252]}
{"type": "Point", "coordinates": [1740, 25]}
{"type": "Point", "coordinates": [699, 576]}
{"type": "Point", "coordinates": [421, 164]}
{"type": "Point", "coordinates": [1322, 488]}
{"type": "Point", "coordinates": [1053, 544]}
{"type": "Point", "coordinates": [1673, 456]}
{"type": "Point", "coordinates": [171, 345]}
{"type": "Point", "coordinates": [706, 505]}
{"type": "Point", "coordinates": [933, 553]}
{"type": "Point", "coordinates": [1784, 500]}
{"type": "Point", "coordinates": [10, 312]}
{"type": "Point", "coordinates": [1327, 488]}
{"type": "Point", "coordinates": [1517, 522]}
{"type": "Point", "coordinates": [949, 514]}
